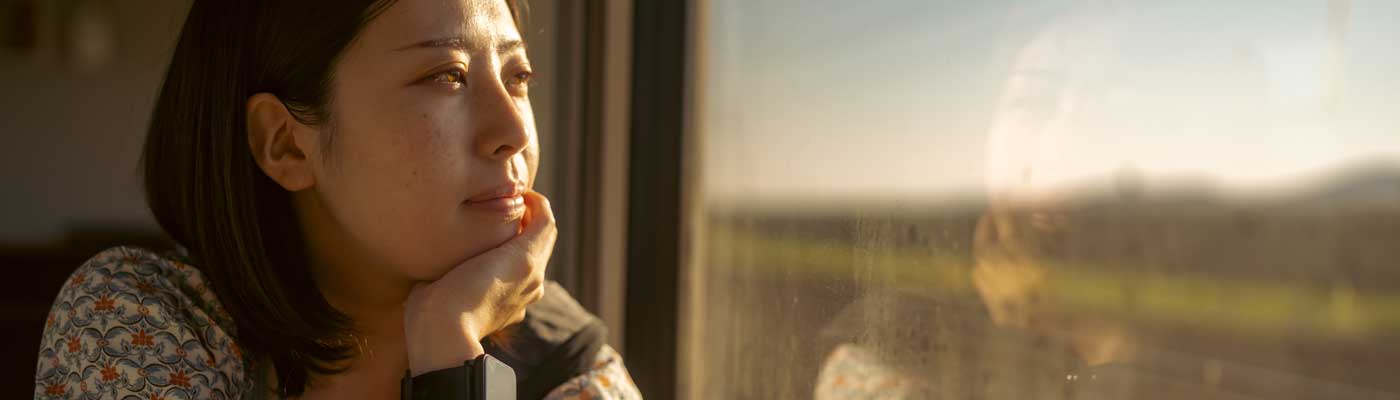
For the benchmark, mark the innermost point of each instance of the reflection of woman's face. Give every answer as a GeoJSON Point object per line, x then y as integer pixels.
{"type": "Point", "coordinates": [430, 122]}
{"type": "Point", "coordinates": [1027, 149]}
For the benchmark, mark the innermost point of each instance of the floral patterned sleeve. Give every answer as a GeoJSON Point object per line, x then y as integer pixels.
{"type": "Point", "coordinates": [130, 324]}
{"type": "Point", "coordinates": [607, 380]}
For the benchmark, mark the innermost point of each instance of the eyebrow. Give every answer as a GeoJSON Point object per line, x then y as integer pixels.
{"type": "Point", "coordinates": [461, 43]}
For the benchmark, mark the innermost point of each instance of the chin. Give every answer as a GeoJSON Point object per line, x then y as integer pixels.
{"type": "Point", "coordinates": [464, 243]}
{"type": "Point", "coordinates": [497, 234]}
{"type": "Point", "coordinates": [483, 238]}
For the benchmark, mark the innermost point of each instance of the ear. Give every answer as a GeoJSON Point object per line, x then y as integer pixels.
{"type": "Point", "coordinates": [279, 143]}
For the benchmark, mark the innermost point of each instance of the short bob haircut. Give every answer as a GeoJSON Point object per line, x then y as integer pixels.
{"type": "Point", "coordinates": [207, 192]}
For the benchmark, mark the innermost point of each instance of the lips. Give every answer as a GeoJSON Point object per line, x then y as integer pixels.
{"type": "Point", "coordinates": [506, 200]}
{"type": "Point", "coordinates": [504, 191]}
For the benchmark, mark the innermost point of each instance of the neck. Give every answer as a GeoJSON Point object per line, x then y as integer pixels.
{"type": "Point", "coordinates": [355, 282]}
{"type": "Point", "coordinates": [372, 296]}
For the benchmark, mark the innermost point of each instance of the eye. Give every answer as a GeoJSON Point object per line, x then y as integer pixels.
{"type": "Point", "coordinates": [450, 77]}
{"type": "Point", "coordinates": [522, 78]}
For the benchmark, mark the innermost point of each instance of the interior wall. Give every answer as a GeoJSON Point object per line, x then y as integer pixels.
{"type": "Point", "coordinates": [70, 137]}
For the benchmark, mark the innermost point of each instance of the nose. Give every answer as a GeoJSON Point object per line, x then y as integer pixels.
{"type": "Point", "coordinates": [499, 124]}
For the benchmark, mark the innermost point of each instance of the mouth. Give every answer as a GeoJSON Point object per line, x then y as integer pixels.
{"type": "Point", "coordinates": [506, 201]}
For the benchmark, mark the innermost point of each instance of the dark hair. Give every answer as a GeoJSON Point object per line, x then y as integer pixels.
{"type": "Point", "coordinates": [205, 189]}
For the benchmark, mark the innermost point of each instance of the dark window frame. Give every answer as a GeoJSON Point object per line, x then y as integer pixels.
{"type": "Point", "coordinates": [623, 265]}
{"type": "Point", "coordinates": [655, 227]}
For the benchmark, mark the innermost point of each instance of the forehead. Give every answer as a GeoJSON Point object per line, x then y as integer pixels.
{"type": "Point", "coordinates": [480, 23]}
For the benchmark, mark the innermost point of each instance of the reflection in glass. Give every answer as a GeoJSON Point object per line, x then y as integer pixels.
{"type": "Point", "coordinates": [1045, 199]}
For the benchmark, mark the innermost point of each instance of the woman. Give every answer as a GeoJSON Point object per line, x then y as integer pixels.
{"type": "Point", "coordinates": [351, 181]}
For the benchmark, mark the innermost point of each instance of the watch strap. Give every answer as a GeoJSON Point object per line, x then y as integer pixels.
{"type": "Point", "coordinates": [484, 378]}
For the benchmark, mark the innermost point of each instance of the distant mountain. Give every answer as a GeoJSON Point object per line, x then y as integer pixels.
{"type": "Point", "coordinates": [1368, 184]}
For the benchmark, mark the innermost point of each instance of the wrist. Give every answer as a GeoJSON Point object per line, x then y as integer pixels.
{"type": "Point", "coordinates": [442, 347]}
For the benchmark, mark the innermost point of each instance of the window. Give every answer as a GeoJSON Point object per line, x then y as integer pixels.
{"type": "Point", "coordinates": [1041, 199]}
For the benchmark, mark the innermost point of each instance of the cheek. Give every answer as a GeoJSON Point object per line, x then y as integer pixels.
{"type": "Point", "coordinates": [420, 181]}
{"type": "Point", "coordinates": [422, 195]}
{"type": "Point", "coordinates": [407, 166]}
{"type": "Point", "coordinates": [396, 190]}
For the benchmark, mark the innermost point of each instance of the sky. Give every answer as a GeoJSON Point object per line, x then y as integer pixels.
{"type": "Point", "coordinates": [921, 99]}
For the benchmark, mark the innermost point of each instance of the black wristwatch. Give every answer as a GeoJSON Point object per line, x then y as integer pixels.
{"type": "Point", "coordinates": [484, 378]}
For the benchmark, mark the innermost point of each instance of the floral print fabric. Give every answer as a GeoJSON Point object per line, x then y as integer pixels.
{"type": "Point", "coordinates": [131, 324]}
{"type": "Point", "coordinates": [607, 380]}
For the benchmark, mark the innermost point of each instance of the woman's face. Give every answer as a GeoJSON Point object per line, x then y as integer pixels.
{"type": "Point", "coordinates": [432, 135]}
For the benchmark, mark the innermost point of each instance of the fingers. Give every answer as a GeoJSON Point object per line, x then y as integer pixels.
{"type": "Point", "coordinates": [538, 234]}
{"type": "Point", "coordinates": [539, 217]}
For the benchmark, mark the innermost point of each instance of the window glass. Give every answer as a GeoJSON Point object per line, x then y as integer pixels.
{"type": "Point", "coordinates": [1044, 199]}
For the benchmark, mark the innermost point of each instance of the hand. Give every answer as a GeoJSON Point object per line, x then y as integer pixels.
{"type": "Point", "coordinates": [445, 320]}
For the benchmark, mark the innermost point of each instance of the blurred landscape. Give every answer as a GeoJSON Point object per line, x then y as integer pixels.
{"type": "Point", "coordinates": [1301, 288]}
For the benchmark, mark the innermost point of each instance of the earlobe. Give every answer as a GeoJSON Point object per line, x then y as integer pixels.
{"type": "Point", "coordinates": [274, 145]}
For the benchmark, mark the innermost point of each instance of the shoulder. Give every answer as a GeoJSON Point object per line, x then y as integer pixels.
{"type": "Point", "coordinates": [132, 322]}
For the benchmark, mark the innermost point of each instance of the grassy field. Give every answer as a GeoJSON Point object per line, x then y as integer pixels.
{"type": "Point", "coordinates": [1248, 306]}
